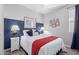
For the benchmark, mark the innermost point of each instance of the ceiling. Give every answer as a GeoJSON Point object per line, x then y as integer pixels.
{"type": "Point", "coordinates": [42, 8]}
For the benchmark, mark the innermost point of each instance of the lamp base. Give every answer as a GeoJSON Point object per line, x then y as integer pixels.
{"type": "Point", "coordinates": [14, 34]}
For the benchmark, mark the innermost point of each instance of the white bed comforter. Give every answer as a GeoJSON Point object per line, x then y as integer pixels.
{"type": "Point", "coordinates": [50, 48]}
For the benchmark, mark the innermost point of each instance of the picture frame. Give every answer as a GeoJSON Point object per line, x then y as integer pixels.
{"type": "Point", "coordinates": [29, 22]}
{"type": "Point", "coordinates": [55, 22]}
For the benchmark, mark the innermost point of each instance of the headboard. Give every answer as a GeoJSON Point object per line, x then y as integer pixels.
{"type": "Point", "coordinates": [38, 27]}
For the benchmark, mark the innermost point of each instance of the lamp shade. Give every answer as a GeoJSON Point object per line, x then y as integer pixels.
{"type": "Point", "coordinates": [15, 28]}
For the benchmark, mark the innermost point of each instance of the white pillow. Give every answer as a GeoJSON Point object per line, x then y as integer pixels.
{"type": "Point", "coordinates": [35, 34]}
{"type": "Point", "coordinates": [25, 32]}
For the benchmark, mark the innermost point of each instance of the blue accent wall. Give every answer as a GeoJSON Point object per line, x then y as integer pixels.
{"type": "Point", "coordinates": [7, 30]}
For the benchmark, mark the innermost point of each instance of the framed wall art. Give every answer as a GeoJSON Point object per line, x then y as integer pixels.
{"type": "Point", "coordinates": [29, 22]}
{"type": "Point", "coordinates": [55, 22]}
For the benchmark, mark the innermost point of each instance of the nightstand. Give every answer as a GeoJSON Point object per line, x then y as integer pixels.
{"type": "Point", "coordinates": [14, 43]}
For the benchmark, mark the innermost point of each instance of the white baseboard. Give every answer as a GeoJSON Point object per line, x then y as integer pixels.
{"type": "Point", "coordinates": [68, 46]}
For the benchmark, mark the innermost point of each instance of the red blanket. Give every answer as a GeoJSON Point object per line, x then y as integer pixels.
{"type": "Point", "coordinates": [37, 44]}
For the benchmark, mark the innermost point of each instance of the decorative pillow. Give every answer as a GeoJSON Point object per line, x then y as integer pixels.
{"type": "Point", "coordinates": [30, 33]}
{"type": "Point", "coordinates": [25, 32]}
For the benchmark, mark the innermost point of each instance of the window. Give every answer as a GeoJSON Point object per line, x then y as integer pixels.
{"type": "Point", "coordinates": [71, 18]}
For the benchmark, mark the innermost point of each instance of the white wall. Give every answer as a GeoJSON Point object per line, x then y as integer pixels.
{"type": "Point", "coordinates": [18, 12]}
{"type": "Point", "coordinates": [1, 31]}
{"type": "Point", "coordinates": [63, 30]}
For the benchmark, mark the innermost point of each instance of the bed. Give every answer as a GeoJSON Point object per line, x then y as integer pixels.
{"type": "Point", "coordinates": [50, 48]}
